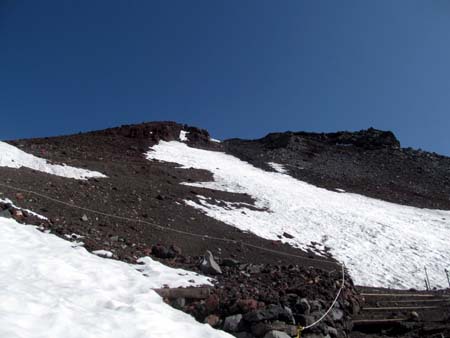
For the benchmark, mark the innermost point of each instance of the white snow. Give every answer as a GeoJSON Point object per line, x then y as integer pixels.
{"type": "Point", "coordinates": [74, 236]}
{"type": "Point", "coordinates": [13, 157]}
{"type": "Point", "coordinates": [103, 253]}
{"type": "Point", "coordinates": [49, 289]}
{"type": "Point", "coordinates": [183, 136]}
{"type": "Point", "coordinates": [278, 167]}
{"type": "Point", "coordinates": [215, 140]}
{"type": "Point", "coordinates": [8, 201]}
{"type": "Point", "coordinates": [382, 244]}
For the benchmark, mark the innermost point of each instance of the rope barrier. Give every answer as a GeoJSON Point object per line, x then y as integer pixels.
{"type": "Point", "coordinates": [226, 240]}
{"type": "Point", "coordinates": [300, 328]}
{"type": "Point", "coordinates": [332, 304]}
{"type": "Point", "coordinates": [160, 227]}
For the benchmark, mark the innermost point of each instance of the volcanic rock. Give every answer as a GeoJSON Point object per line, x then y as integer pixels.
{"type": "Point", "coordinates": [231, 323]}
{"type": "Point", "coordinates": [276, 334]}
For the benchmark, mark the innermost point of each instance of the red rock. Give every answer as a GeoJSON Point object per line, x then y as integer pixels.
{"type": "Point", "coordinates": [212, 303]}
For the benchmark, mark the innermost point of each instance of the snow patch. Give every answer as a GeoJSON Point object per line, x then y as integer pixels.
{"type": "Point", "coordinates": [215, 140]}
{"type": "Point", "coordinates": [183, 136]}
{"type": "Point", "coordinates": [49, 289]}
{"type": "Point", "coordinates": [103, 253]}
{"type": "Point", "coordinates": [73, 236]}
{"type": "Point", "coordinates": [279, 168]}
{"type": "Point", "coordinates": [381, 243]}
{"type": "Point", "coordinates": [13, 157]}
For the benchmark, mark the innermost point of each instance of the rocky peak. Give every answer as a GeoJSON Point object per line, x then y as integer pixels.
{"type": "Point", "coordinates": [156, 131]}
{"type": "Point", "coordinates": [369, 139]}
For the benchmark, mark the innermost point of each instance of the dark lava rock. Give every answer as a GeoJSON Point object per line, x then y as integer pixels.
{"type": "Point", "coordinates": [305, 320]}
{"type": "Point", "coordinates": [231, 323]}
{"type": "Point", "coordinates": [273, 312]}
{"type": "Point", "coordinates": [243, 334]}
{"type": "Point", "coordinates": [230, 262]}
{"type": "Point", "coordinates": [337, 314]}
{"type": "Point", "coordinates": [287, 235]}
{"type": "Point", "coordinates": [5, 213]}
{"type": "Point", "coordinates": [303, 306]}
{"type": "Point", "coordinates": [161, 251]}
{"type": "Point", "coordinates": [276, 334]}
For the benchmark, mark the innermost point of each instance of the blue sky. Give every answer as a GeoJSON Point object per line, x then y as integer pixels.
{"type": "Point", "coordinates": [237, 68]}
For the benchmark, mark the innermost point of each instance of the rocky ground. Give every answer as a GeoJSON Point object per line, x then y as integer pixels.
{"type": "Point", "coordinates": [247, 299]}
{"type": "Point", "coordinates": [258, 292]}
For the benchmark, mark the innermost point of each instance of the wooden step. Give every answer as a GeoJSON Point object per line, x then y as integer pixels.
{"type": "Point", "coordinates": [416, 300]}
{"type": "Point", "coordinates": [377, 325]}
{"type": "Point", "coordinates": [378, 321]}
{"type": "Point", "coordinates": [400, 308]}
{"type": "Point", "coordinates": [398, 295]}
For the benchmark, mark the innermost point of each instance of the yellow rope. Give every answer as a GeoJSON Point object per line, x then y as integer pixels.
{"type": "Point", "coordinates": [299, 331]}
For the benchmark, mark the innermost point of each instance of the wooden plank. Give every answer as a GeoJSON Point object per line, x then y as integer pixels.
{"type": "Point", "coordinates": [189, 293]}
{"type": "Point", "coordinates": [399, 308]}
{"type": "Point", "coordinates": [378, 321]}
{"type": "Point", "coordinates": [416, 301]}
{"type": "Point", "coordinates": [397, 295]}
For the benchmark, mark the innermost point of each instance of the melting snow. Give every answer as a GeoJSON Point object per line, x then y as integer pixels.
{"type": "Point", "coordinates": [49, 289]}
{"type": "Point", "coordinates": [13, 157]}
{"type": "Point", "coordinates": [382, 244]}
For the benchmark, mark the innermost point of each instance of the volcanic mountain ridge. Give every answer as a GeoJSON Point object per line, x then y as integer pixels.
{"type": "Point", "coordinates": [369, 162]}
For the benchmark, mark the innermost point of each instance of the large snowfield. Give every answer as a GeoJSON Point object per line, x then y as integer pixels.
{"type": "Point", "coordinates": [52, 288]}
{"type": "Point", "coordinates": [381, 243]}
{"type": "Point", "coordinates": [13, 157]}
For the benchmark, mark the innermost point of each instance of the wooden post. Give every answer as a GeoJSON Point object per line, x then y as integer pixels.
{"type": "Point", "coordinates": [448, 276]}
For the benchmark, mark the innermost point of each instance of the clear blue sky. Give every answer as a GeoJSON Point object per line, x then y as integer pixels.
{"type": "Point", "coordinates": [238, 68]}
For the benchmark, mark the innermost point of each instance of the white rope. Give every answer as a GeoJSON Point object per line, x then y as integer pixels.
{"type": "Point", "coordinates": [332, 304]}
{"type": "Point", "coordinates": [71, 205]}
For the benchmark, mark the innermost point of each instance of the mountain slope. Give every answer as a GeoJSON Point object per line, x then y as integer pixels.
{"type": "Point", "coordinates": [147, 203]}
{"type": "Point", "coordinates": [382, 244]}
